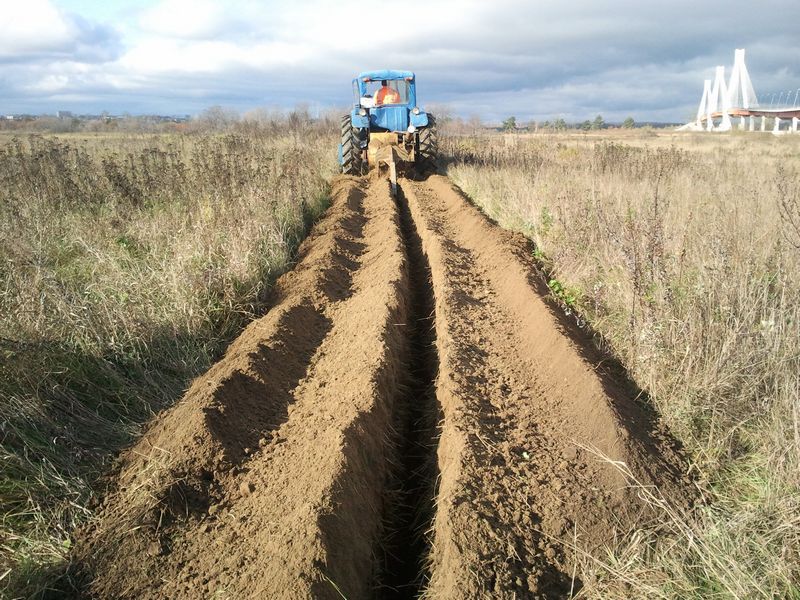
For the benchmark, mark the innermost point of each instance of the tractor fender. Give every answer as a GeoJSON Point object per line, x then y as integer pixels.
{"type": "Point", "coordinates": [358, 121]}
{"type": "Point", "coordinates": [420, 120]}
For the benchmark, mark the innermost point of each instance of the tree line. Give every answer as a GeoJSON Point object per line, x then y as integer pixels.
{"type": "Point", "coordinates": [559, 124]}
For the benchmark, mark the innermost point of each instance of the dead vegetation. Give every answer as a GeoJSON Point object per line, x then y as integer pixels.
{"type": "Point", "coordinates": [682, 253]}
{"type": "Point", "coordinates": [127, 262]}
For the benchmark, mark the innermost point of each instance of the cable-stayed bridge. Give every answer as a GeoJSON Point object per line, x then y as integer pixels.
{"type": "Point", "coordinates": [730, 104]}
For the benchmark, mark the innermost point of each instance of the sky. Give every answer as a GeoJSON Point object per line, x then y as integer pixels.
{"type": "Point", "coordinates": [534, 59]}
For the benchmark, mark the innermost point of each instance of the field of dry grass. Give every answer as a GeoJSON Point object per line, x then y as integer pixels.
{"type": "Point", "coordinates": [127, 263]}
{"type": "Point", "coordinates": [682, 252]}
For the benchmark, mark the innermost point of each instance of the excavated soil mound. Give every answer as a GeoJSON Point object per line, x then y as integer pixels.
{"type": "Point", "coordinates": [528, 411]}
{"type": "Point", "coordinates": [411, 416]}
{"type": "Point", "coordinates": [266, 480]}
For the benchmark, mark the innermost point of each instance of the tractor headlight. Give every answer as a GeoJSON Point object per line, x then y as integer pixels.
{"type": "Point", "coordinates": [415, 110]}
{"type": "Point", "coordinates": [411, 129]}
{"type": "Point", "coordinates": [362, 112]}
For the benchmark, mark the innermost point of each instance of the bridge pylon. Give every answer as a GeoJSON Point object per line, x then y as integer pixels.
{"type": "Point", "coordinates": [736, 97]}
{"type": "Point", "coordinates": [701, 111]}
{"type": "Point", "coordinates": [719, 102]}
{"type": "Point", "coordinates": [740, 88]}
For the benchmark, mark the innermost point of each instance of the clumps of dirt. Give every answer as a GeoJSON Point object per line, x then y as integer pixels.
{"type": "Point", "coordinates": [267, 479]}
{"type": "Point", "coordinates": [528, 416]}
{"type": "Point", "coordinates": [411, 416]}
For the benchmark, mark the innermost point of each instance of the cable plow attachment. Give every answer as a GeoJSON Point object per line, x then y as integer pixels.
{"type": "Point", "coordinates": [384, 152]}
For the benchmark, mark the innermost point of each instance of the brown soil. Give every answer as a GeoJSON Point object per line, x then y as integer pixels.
{"type": "Point", "coordinates": [528, 410]}
{"type": "Point", "coordinates": [309, 462]}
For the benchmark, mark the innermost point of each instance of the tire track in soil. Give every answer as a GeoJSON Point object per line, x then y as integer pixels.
{"type": "Point", "coordinates": [408, 419]}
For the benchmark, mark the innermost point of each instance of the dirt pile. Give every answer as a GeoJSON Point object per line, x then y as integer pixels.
{"type": "Point", "coordinates": [523, 397]}
{"type": "Point", "coordinates": [308, 462]}
{"type": "Point", "coordinates": [266, 479]}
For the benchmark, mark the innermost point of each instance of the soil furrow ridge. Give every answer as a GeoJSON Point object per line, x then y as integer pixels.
{"type": "Point", "coordinates": [412, 416]}
{"type": "Point", "coordinates": [267, 479]}
{"type": "Point", "coordinates": [523, 404]}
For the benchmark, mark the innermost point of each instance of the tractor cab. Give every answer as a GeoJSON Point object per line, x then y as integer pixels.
{"type": "Point", "coordinates": [383, 92]}
{"type": "Point", "coordinates": [385, 115]}
{"type": "Point", "coordinates": [389, 97]}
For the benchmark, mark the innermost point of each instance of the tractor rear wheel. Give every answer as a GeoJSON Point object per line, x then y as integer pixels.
{"type": "Point", "coordinates": [352, 158]}
{"type": "Point", "coordinates": [426, 146]}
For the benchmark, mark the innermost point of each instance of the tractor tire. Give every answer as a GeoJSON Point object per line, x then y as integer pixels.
{"type": "Point", "coordinates": [427, 147]}
{"type": "Point", "coordinates": [352, 157]}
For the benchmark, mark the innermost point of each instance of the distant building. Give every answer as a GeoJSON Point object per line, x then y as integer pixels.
{"type": "Point", "coordinates": [9, 117]}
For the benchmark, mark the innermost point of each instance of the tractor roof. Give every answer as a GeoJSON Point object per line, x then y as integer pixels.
{"type": "Point", "coordinates": [389, 74]}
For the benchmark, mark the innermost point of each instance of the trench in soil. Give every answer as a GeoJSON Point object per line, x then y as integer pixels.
{"type": "Point", "coordinates": [411, 503]}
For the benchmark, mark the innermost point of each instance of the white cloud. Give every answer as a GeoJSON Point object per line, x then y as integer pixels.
{"type": "Point", "coordinates": [188, 19]}
{"type": "Point", "coordinates": [34, 27]}
{"type": "Point", "coordinates": [50, 84]}
{"type": "Point", "coordinates": [535, 59]}
{"type": "Point", "coordinates": [160, 56]}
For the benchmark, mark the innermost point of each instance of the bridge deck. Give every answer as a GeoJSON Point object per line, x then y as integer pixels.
{"type": "Point", "coordinates": [783, 113]}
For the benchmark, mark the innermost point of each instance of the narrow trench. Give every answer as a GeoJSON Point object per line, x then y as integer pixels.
{"type": "Point", "coordinates": [411, 500]}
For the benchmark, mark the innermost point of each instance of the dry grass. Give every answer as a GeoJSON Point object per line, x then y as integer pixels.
{"type": "Point", "coordinates": [683, 252]}
{"type": "Point", "coordinates": [127, 262]}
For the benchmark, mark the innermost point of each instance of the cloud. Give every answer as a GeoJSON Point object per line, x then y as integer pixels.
{"type": "Point", "coordinates": [190, 19]}
{"type": "Point", "coordinates": [36, 30]}
{"type": "Point", "coordinates": [159, 56]}
{"type": "Point", "coordinates": [535, 60]}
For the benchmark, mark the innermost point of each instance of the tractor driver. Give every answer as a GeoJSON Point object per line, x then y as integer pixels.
{"type": "Point", "coordinates": [386, 95]}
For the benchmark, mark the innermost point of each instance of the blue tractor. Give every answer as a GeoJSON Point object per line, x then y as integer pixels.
{"type": "Point", "coordinates": [386, 125]}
